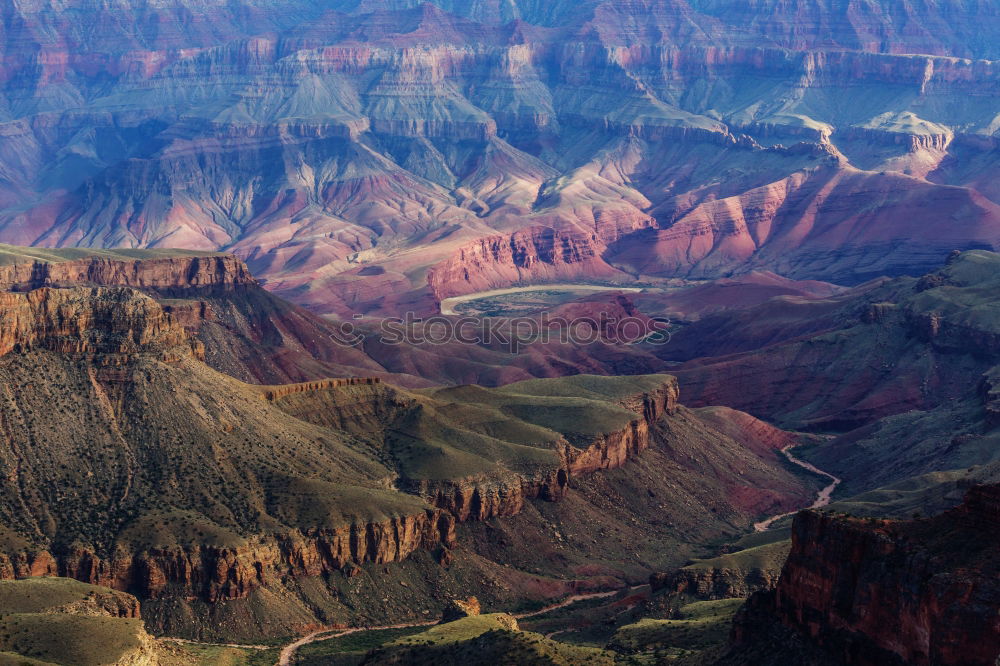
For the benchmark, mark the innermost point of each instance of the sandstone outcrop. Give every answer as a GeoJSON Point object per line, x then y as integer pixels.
{"type": "Point", "coordinates": [883, 592]}
{"type": "Point", "coordinates": [712, 584]}
{"type": "Point", "coordinates": [98, 321]}
{"type": "Point", "coordinates": [734, 575]}
{"type": "Point", "coordinates": [247, 332]}
{"type": "Point", "coordinates": [459, 608]}
{"type": "Point", "coordinates": [273, 393]}
{"type": "Point", "coordinates": [168, 276]}
{"type": "Point", "coordinates": [537, 254]}
{"type": "Point", "coordinates": [215, 574]}
{"type": "Point", "coordinates": [492, 496]}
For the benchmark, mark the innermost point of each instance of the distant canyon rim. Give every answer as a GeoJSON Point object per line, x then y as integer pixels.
{"type": "Point", "coordinates": [377, 157]}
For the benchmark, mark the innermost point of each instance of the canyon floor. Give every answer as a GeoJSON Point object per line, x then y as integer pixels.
{"type": "Point", "coordinates": [466, 304]}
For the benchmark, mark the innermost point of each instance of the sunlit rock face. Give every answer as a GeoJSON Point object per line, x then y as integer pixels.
{"type": "Point", "coordinates": [374, 155]}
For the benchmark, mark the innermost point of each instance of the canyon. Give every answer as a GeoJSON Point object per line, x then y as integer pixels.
{"type": "Point", "coordinates": [214, 501]}
{"type": "Point", "coordinates": [209, 498]}
{"type": "Point", "coordinates": [211, 210]}
{"type": "Point", "coordinates": [374, 158]}
{"type": "Point", "coordinates": [222, 500]}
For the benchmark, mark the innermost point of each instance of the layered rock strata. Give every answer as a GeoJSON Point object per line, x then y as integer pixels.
{"type": "Point", "coordinates": [123, 348]}
{"type": "Point", "coordinates": [882, 592]}
{"type": "Point", "coordinates": [216, 574]}
{"type": "Point", "coordinates": [166, 276]}
{"type": "Point", "coordinates": [484, 498]}
{"type": "Point", "coordinates": [711, 584]}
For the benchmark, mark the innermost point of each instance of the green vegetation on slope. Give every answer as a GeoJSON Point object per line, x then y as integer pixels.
{"type": "Point", "coordinates": [34, 595]}
{"type": "Point", "coordinates": [13, 254]}
{"type": "Point", "coordinates": [467, 431]}
{"type": "Point", "coordinates": [83, 640]}
{"type": "Point", "coordinates": [484, 640]}
{"type": "Point", "coordinates": [594, 387]}
{"type": "Point", "coordinates": [64, 621]}
{"type": "Point", "coordinates": [192, 654]}
{"type": "Point", "coordinates": [769, 556]}
{"type": "Point", "coordinates": [703, 625]}
{"type": "Point", "coordinates": [351, 649]}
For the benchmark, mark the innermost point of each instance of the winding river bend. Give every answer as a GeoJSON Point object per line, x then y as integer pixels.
{"type": "Point", "coordinates": [822, 498]}
{"type": "Point", "coordinates": [449, 305]}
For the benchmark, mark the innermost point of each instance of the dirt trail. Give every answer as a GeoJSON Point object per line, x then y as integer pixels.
{"type": "Point", "coordinates": [822, 498]}
{"type": "Point", "coordinates": [184, 641]}
{"type": "Point", "coordinates": [288, 652]}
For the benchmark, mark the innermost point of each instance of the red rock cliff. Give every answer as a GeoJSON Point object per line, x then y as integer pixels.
{"type": "Point", "coordinates": [86, 320]}
{"type": "Point", "coordinates": [214, 573]}
{"type": "Point", "coordinates": [483, 498]}
{"type": "Point", "coordinates": [536, 254]}
{"type": "Point", "coordinates": [881, 592]}
{"type": "Point", "coordinates": [163, 275]}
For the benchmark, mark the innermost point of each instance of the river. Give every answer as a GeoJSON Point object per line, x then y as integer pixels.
{"type": "Point", "coordinates": [449, 305]}
{"type": "Point", "coordinates": [822, 498]}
